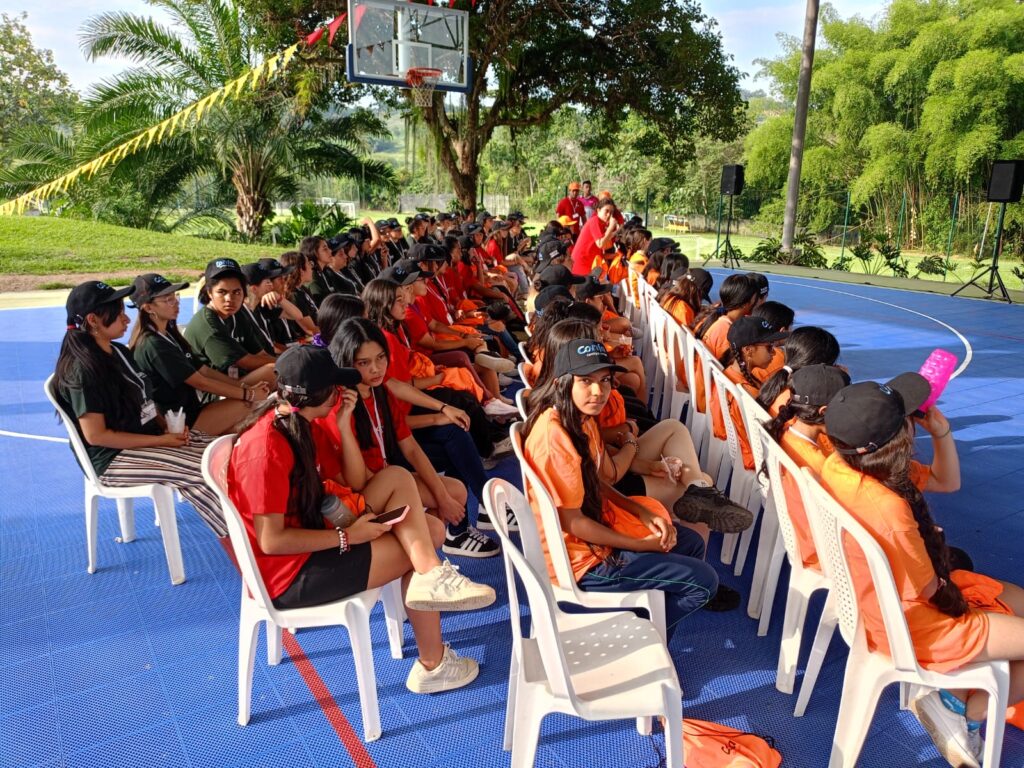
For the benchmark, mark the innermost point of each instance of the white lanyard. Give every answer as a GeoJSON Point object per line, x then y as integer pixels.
{"type": "Point", "coordinates": [170, 340]}
{"type": "Point", "coordinates": [135, 378]}
{"type": "Point", "coordinates": [259, 326]}
{"type": "Point", "coordinates": [802, 436]}
{"type": "Point", "coordinates": [440, 298]}
{"type": "Point", "coordinates": [378, 428]}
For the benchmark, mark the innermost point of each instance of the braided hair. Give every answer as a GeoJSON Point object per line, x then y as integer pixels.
{"type": "Point", "coordinates": [734, 354]}
{"type": "Point", "coordinates": [806, 345]}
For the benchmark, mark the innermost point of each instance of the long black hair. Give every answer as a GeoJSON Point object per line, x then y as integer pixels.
{"type": "Point", "coordinates": [806, 345]}
{"type": "Point", "coordinates": [544, 321]}
{"type": "Point", "coordinates": [379, 296]}
{"type": "Point", "coordinates": [305, 492]}
{"type": "Point", "coordinates": [557, 336]}
{"type": "Point", "coordinates": [890, 465]}
{"type": "Point", "coordinates": [736, 291]}
{"type": "Point", "coordinates": [557, 394]}
{"type": "Point", "coordinates": [336, 309]}
{"type": "Point", "coordinates": [685, 290]}
{"type": "Point", "coordinates": [350, 336]}
{"type": "Point", "coordinates": [734, 354]}
{"type": "Point", "coordinates": [81, 360]}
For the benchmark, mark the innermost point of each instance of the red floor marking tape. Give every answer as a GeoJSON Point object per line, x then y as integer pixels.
{"type": "Point", "coordinates": [349, 738]}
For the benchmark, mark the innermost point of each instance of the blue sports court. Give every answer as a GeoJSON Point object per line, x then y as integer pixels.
{"type": "Point", "coordinates": [120, 668]}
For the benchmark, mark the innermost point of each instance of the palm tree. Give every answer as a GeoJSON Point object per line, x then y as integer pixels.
{"type": "Point", "coordinates": [258, 147]}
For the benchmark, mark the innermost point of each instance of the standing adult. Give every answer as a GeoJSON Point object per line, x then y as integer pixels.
{"type": "Point", "coordinates": [597, 235]}
{"type": "Point", "coordinates": [589, 200]}
{"type": "Point", "coordinates": [571, 207]}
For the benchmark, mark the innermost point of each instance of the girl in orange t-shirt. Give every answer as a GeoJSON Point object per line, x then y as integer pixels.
{"type": "Point", "coordinates": [806, 345]}
{"type": "Point", "coordinates": [614, 542]}
{"type": "Point", "coordinates": [955, 617]}
{"type": "Point", "coordinates": [683, 298]}
{"type": "Point", "coordinates": [282, 467]}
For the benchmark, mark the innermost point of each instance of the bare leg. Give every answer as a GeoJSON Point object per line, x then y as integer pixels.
{"type": "Point", "coordinates": [635, 366]}
{"type": "Point", "coordinates": [394, 487]}
{"type": "Point", "coordinates": [222, 416]}
{"type": "Point", "coordinates": [489, 379]}
{"type": "Point", "coordinates": [454, 487]}
{"type": "Point", "coordinates": [670, 438]}
{"type": "Point", "coordinates": [263, 373]}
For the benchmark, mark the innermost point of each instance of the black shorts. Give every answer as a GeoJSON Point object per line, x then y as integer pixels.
{"type": "Point", "coordinates": [631, 484]}
{"type": "Point", "coordinates": [328, 576]}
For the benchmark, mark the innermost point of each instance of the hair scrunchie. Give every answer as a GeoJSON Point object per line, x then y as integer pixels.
{"type": "Point", "coordinates": [787, 369]}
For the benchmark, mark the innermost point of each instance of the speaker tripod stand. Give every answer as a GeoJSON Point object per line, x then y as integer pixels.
{"type": "Point", "coordinates": [995, 280]}
{"type": "Point", "coordinates": [725, 251]}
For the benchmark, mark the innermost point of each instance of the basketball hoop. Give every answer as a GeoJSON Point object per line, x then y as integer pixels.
{"type": "Point", "coordinates": [422, 81]}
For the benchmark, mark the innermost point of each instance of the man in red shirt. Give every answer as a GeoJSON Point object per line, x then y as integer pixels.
{"type": "Point", "coordinates": [588, 200]}
{"type": "Point", "coordinates": [572, 208]}
{"type": "Point", "coordinates": [596, 235]}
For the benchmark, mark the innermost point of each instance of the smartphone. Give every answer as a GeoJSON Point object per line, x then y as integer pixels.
{"type": "Point", "coordinates": [393, 516]}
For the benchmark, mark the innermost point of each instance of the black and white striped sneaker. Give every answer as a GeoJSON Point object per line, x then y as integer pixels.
{"type": "Point", "coordinates": [483, 520]}
{"type": "Point", "coordinates": [469, 543]}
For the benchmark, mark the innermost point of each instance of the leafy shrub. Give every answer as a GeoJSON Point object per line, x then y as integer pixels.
{"type": "Point", "coordinates": [767, 251]}
{"type": "Point", "coordinates": [931, 265]}
{"type": "Point", "coordinates": [806, 252]}
{"type": "Point", "coordinates": [843, 263]}
{"type": "Point", "coordinates": [308, 219]}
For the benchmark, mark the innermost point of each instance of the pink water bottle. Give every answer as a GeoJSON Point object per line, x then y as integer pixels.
{"type": "Point", "coordinates": [938, 369]}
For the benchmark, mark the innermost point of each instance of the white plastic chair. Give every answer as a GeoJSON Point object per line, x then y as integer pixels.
{"type": "Point", "coordinates": [565, 589]}
{"type": "Point", "coordinates": [521, 395]}
{"type": "Point", "coordinates": [713, 450]}
{"type": "Point", "coordinates": [525, 353]}
{"type": "Point", "coordinates": [676, 342]}
{"type": "Point", "coordinates": [741, 486]}
{"type": "Point", "coordinates": [596, 666]}
{"type": "Point", "coordinates": [867, 671]}
{"type": "Point", "coordinates": [162, 496]}
{"type": "Point", "coordinates": [521, 370]}
{"type": "Point", "coordinates": [353, 612]}
{"type": "Point", "coordinates": [803, 581]}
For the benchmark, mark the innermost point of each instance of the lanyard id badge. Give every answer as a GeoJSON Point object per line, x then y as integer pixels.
{"type": "Point", "coordinates": [148, 412]}
{"type": "Point", "coordinates": [378, 429]}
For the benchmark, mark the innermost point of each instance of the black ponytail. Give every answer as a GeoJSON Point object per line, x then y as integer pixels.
{"type": "Point", "coordinates": [806, 345]}
{"type": "Point", "coordinates": [736, 291]}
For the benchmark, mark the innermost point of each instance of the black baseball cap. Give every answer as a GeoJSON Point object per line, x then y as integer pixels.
{"type": "Point", "coordinates": [592, 287]}
{"type": "Point", "coordinates": [558, 274]}
{"type": "Point", "coordinates": [382, 224]}
{"type": "Point", "coordinates": [583, 356]}
{"type": "Point", "coordinates": [753, 330]}
{"type": "Point", "coordinates": [444, 216]}
{"type": "Point", "coordinates": [703, 279]}
{"type": "Point", "coordinates": [471, 228]}
{"type": "Point", "coordinates": [275, 268]}
{"type": "Point", "coordinates": [147, 287]}
{"type": "Point", "coordinates": [403, 272]}
{"type": "Point", "coordinates": [817, 384]}
{"type": "Point", "coordinates": [666, 244]}
{"type": "Point", "coordinates": [88, 297]}
{"type": "Point", "coordinates": [552, 249]}
{"type": "Point", "coordinates": [220, 267]}
{"type": "Point", "coordinates": [679, 273]}
{"type": "Point", "coordinates": [394, 223]}
{"type": "Point", "coordinates": [516, 216]}
{"type": "Point", "coordinates": [483, 216]}
{"type": "Point", "coordinates": [307, 368]}
{"type": "Point", "coordinates": [426, 252]}
{"type": "Point", "coordinates": [254, 273]}
{"type": "Point", "coordinates": [548, 294]}
{"type": "Point", "coordinates": [867, 415]}
{"type": "Point", "coordinates": [340, 242]}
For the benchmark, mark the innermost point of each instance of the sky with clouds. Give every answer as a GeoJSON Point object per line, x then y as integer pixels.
{"type": "Point", "coordinates": [748, 28]}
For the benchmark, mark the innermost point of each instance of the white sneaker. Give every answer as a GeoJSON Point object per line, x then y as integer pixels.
{"type": "Point", "coordinates": [506, 381]}
{"type": "Point", "coordinates": [443, 588]}
{"type": "Point", "coordinates": [948, 731]}
{"type": "Point", "coordinates": [498, 408]}
{"type": "Point", "coordinates": [453, 672]}
{"type": "Point", "coordinates": [502, 448]}
{"type": "Point", "coordinates": [499, 364]}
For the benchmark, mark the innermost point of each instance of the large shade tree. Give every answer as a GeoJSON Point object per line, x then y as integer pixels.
{"type": "Point", "coordinates": [256, 148]}
{"type": "Point", "coordinates": [661, 60]}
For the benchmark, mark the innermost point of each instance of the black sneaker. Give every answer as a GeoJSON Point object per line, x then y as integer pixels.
{"type": "Point", "coordinates": [470, 543]}
{"type": "Point", "coordinates": [483, 520]}
{"type": "Point", "coordinates": [725, 599]}
{"type": "Point", "coordinates": [711, 506]}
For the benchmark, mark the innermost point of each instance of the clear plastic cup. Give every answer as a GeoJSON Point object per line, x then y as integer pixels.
{"type": "Point", "coordinates": [175, 421]}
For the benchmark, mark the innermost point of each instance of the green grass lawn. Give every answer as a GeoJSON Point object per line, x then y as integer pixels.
{"type": "Point", "coordinates": [44, 245]}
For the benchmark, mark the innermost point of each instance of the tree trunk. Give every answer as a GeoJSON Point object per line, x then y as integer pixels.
{"type": "Point", "coordinates": [251, 204]}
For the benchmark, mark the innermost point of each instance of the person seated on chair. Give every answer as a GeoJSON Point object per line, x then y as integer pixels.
{"type": "Point", "coordinates": [295, 289]}
{"type": "Point", "coordinates": [955, 617]}
{"type": "Point", "coordinates": [286, 331]}
{"type": "Point", "coordinates": [221, 335]}
{"type": "Point", "coordinates": [780, 318]}
{"type": "Point", "coordinates": [283, 469]}
{"type": "Point", "coordinates": [267, 309]}
{"type": "Point", "coordinates": [738, 297]}
{"type": "Point", "coordinates": [110, 398]}
{"type": "Point", "coordinates": [806, 345]}
{"type": "Point", "coordinates": [614, 542]}
{"type": "Point", "coordinates": [336, 309]}
{"type": "Point", "coordinates": [382, 423]}
{"type": "Point", "coordinates": [162, 353]}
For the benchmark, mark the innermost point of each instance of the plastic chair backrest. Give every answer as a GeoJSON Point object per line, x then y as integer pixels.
{"type": "Point", "coordinates": [781, 466]}
{"type": "Point", "coordinates": [522, 402]}
{"type": "Point", "coordinates": [724, 389]}
{"type": "Point", "coordinates": [71, 425]}
{"type": "Point", "coordinates": [215, 471]}
{"type": "Point", "coordinates": [543, 612]}
{"type": "Point", "coordinates": [525, 352]}
{"type": "Point", "coordinates": [841, 533]}
{"type": "Point", "coordinates": [707, 363]}
{"type": "Point", "coordinates": [521, 370]}
{"type": "Point", "coordinates": [548, 514]}
{"type": "Point", "coordinates": [753, 416]}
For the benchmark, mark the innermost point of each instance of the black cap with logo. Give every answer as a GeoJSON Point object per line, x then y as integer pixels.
{"type": "Point", "coordinates": [867, 415]}
{"type": "Point", "coordinates": [150, 286]}
{"type": "Point", "coordinates": [305, 369]}
{"type": "Point", "coordinates": [254, 273]}
{"type": "Point", "coordinates": [275, 268]}
{"type": "Point", "coordinates": [749, 330]}
{"type": "Point", "coordinates": [558, 274]}
{"type": "Point", "coordinates": [592, 287]}
{"type": "Point", "coordinates": [549, 294]}
{"type": "Point", "coordinates": [582, 357]}
{"type": "Point", "coordinates": [817, 384]}
{"type": "Point", "coordinates": [426, 252]}
{"type": "Point", "coordinates": [221, 267]}
{"type": "Point", "coordinates": [88, 297]}
{"type": "Point", "coordinates": [403, 272]}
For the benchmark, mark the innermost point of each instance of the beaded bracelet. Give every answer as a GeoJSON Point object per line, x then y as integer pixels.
{"type": "Point", "coordinates": [342, 541]}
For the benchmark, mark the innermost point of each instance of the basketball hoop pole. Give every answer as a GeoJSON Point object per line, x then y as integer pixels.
{"type": "Point", "coordinates": [995, 280]}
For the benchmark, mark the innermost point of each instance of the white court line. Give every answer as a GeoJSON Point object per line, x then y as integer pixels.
{"type": "Point", "coordinates": [963, 339]}
{"type": "Point", "coordinates": [5, 433]}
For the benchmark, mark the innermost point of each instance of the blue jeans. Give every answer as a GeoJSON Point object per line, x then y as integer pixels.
{"type": "Point", "coordinates": [681, 573]}
{"type": "Point", "coordinates": [452, 451]}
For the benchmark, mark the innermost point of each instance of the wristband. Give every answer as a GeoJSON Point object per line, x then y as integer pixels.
{"type": "Point", "coordinates": [342, 541]}
{"type": "Point", "coordinates": [441, 409]}
{"type": "Point", "coordinates": [949, 429]}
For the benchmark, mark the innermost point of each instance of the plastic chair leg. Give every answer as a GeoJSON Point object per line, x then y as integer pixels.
{"type": "Point", "coordinates": [92, 508]}
{"type": "Point", "coordinates": [163, 502]}
{"type": "Point", "coordinates": [789, 646]}
{"type": "Point", "coordinates": [754, 505]}
{"type": "Point", "coordinates": [126, 515]}
{"type": "Point", "coordinates": [394, 616]}
{"type": "Point", "coordinates": [860, 695]}
{"type": "Point", "coordinates": [765, 546]}
{"type": "Point", "coordinates": [273, 643]}
{"type": "Point", "coordinates": [510, 703]}
{"type": "Point", "coordinates": [771, 584]}
{"type": "Point", "coordinates": [526, 731]}
{"type": "Point", "coordinates": [358, 623]}
{"type": "Point", "coordinates": [996, 722]}
{"type": "Point", "coordinates": [673, 728]}
{"type": "Point", "coordinates": [822, 638]}
{"type": "Point", "coordinates": [248, 627]}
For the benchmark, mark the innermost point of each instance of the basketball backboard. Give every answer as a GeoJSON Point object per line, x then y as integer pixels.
{"type": "Point", "coordinates": [388, 37]}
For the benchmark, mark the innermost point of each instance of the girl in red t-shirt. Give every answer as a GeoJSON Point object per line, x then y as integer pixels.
{"type": "Point", "coordinates": [278, 476]}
